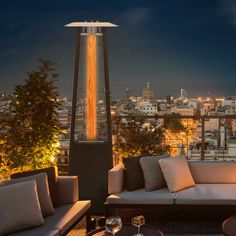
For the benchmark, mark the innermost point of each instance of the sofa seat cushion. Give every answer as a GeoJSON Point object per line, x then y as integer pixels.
{"type": "Point", "coordinates": [141, 196]}
{"type": "Point", "coordinates": [39, 231]}
{"type": "Point", "coordinates": [67, 215]}
{"type": "Point", "coordinates": [208, 194]}
{"type": "Point", "coordinates": [64, 217]}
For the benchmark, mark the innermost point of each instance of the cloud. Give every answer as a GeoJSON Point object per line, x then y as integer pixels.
{"type": "Point", "coordinates": [227, 8]}
{"type": "Point", "coordinates": [136, 16]}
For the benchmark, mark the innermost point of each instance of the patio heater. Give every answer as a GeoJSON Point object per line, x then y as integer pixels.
{"type": "Point", "coordinates": [90, 138]}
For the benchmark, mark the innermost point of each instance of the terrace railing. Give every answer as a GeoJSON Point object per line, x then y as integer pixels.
{"type": "Point", "coordinates": [222, 148]}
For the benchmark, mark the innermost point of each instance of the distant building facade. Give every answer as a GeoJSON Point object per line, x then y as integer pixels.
{"type": "Point", "coordinates": [148, 92]}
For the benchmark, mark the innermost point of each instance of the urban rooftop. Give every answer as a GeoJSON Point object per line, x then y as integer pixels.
{"type": "Point", "coordinates": [101, 161]}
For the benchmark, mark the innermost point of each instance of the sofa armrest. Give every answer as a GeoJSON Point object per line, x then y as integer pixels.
{"type": "Point", "coordinates": [68, 189]}
{"type": "Point", "coordinates": [115, 179]}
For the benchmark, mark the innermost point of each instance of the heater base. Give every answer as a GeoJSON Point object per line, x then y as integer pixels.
{"type": "Point", "coordinates": [90, 161]}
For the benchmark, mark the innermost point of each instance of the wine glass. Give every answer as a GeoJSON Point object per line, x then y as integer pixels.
{"type": "Point", "coordinates": [138, 221]}
{"type": "Point", "coordinates": [113, 224]}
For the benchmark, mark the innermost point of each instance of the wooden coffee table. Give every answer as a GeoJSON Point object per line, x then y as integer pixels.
{"type": "Point", "coordinates": [229, 226]}
{"type": "Point", "coordinates": [128, 229]}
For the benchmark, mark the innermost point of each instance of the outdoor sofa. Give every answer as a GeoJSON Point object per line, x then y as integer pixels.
{"type": "Point", "coordinates": [211, 193]}
{"type": "Point", "coordinates": [59, 220]}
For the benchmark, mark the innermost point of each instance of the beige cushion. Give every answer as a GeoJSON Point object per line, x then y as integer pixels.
{"type": "Point", "coordinates": [218, 172]}
{"type": "Point", "coordinates": [42, 188]}
{"type": "Point", "coordinates": [115, 179]}
{"type": "Point", "coordinates": [19, 207]}
{"type": "Point", "coordinates": [141, 196]}
{"type": "Point", "coordinates": [208, 194]}
{"type": "Point", "coordinates": [176, 173]}
{"type": "Point", "coordinates": [152, 173]}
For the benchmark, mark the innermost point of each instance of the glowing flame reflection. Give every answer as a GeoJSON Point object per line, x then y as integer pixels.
{"type": "Point", "coordinates": [91, 87]}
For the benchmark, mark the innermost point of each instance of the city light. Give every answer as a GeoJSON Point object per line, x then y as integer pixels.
{"type": "Point", "coordinates": [219, 99]}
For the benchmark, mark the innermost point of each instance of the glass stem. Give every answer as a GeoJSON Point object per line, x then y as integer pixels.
{"type": "Point", "coordinates": [138, 229]}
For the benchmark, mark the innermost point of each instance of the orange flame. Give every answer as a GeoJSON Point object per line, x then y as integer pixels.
{"type": "Point", "coordinates": [91, 87]}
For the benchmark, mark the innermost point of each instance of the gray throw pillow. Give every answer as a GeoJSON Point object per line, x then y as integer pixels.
{"type": "Point", "coordinates": [52, 181]}
{"type": "Point", "coordinates": [42, 188]}
{"type": "Point", "coordinates": [153, 176]}
{"type": "Point", "coordinates": [19, 207]}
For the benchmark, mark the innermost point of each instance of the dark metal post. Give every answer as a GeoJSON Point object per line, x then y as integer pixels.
{"type": "Point", "coordinates": [107, 84]}
{"type": "Point", "coordinates": [218, 134]}
{"type": "Point", "coordinates": [75, 86]}
{"type": "Point", "coordinates": [203, 140]}
{"type": "Point", "coordinates": [187, 140]}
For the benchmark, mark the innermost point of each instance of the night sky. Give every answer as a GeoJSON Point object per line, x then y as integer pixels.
{"type": "Point", "coordinates": [173, 44]}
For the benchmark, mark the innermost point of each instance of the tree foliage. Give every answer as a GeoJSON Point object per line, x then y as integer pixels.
{"type": "Point", "coordinates": [29, 137]}
{"type": "Point", "coordinates": [137, 138]}
{"type": "Point", "coordinates": [173, 125]}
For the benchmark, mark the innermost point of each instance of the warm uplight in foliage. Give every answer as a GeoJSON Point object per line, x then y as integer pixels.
{"type": "Point", "coordinates": [137, 138]}
{"type": "Point", "coordinates": [29, 137]}
{"type": "Point", "coordinates": [179, 134]}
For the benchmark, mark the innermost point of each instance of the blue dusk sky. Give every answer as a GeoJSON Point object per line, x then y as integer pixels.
{"type": "Point", "coordinates": [172, 44]}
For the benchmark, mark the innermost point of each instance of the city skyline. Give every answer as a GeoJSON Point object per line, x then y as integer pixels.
{"type": "Point", "coordinates": [171, 44]}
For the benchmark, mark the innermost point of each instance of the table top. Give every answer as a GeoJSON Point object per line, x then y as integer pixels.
{"type": "Point", "coordinates": [229, 226]}
{"type": "Point", "coordinates": [128, 229]}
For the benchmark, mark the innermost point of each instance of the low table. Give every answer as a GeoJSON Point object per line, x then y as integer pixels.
{"type": "Point", "coordinates": [128, 229]}
{"type": "Point", "coordinates": [229, 226]}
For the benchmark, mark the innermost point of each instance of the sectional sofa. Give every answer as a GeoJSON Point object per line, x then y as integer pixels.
{"type": "Point", "coordinates": [17, 198]}
{"type": "Point", "coordinates": [213, 192]}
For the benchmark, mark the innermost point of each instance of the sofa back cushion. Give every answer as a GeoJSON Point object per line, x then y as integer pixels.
{"type": "Point", "coordinates": [133, 173]}
{"type": "Point", "coordinates": [177, 173]}
{"type": "Point", "coordinates": [212, 172]}
{"type": "Point", "coordinates": [42, 188]}
{"type": "Point", "coordinates": [19, 207]}
{"type": "Point", "coordinates": [51, 174]}
{"type": "Point", "coordinates": [152, 173]}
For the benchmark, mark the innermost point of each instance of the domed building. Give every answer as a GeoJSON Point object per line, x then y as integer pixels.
{"type": "Point", "coordinates": [148, 92]}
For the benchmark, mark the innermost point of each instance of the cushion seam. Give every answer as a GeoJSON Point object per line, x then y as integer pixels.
{"type": "Point", "coordinates": [175, 198]}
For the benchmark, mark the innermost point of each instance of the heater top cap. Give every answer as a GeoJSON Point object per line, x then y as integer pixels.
{"type": "Point", "coordinates": [91, 24]}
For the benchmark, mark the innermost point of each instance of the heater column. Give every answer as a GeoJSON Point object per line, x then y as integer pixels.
{"type": "Point", "coordinates": [90, 140]}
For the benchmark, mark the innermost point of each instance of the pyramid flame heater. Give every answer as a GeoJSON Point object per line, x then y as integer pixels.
{"type": "Point", "coordinates": [90, 135]}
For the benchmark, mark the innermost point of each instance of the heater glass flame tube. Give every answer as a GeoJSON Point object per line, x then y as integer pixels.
{"type": "Point", "coordinates": [91, 87]}
{"type": "Point", "coordinates": [91, 116]}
